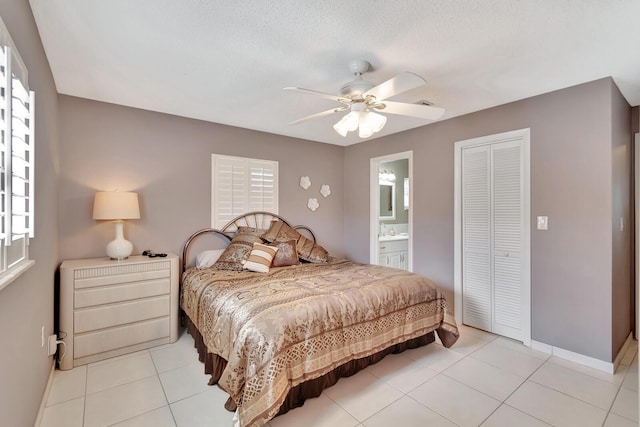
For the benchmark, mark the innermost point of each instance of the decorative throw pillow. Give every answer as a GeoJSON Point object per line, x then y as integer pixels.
{"type": "Point", "coordinates": [260, 258]}
{"type": "Point", "coordinates": [307, 249]}
{"type": "Point", "coordinates": [206, 259]}
{"type": "Point", "coordinates": [250, 230]}
{"type": "Point", "coordinates": [287, 254]}
{"type": "Point", "coordinates": [238, 250]}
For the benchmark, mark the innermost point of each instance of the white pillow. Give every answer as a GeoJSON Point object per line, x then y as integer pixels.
{"type": "Point", "coordinates": [206, 259]}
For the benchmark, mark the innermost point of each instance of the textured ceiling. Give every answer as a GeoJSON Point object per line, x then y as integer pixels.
{"type": "Point", "coordinates": [227, 61]}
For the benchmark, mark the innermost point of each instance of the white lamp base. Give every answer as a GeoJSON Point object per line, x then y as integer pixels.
{"type": "Point", "coordinates": [119, 248]}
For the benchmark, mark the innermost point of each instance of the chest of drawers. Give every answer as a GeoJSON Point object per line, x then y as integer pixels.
{"type": "Point", "coordinates": [109, 308]}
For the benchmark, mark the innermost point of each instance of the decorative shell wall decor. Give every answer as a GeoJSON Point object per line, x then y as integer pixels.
{"type": "Point", "coordinates": [325, 190]}
{"type": "Point", "coordinates": [305, 182]}
{"type": "Point", "coordinates": [313, 204]}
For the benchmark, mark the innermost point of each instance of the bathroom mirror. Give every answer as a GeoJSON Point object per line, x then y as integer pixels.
{"type": "Point", "coordinates": [387, 201]}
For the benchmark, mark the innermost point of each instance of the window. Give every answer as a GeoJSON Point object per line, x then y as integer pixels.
{"type": "Point", "coordinates": [240, 185]}
{"type": "Point", "coordinates": [16, 161]}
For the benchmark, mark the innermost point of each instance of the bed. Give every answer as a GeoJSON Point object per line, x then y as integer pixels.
{"type": "Point", "coordinates": [273, 339]}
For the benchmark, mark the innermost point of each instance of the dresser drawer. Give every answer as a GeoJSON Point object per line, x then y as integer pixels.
{"type": "Point", "coordinates": [109, 307]}
{"type": "Point", "coordinates": [91, 282]}
{"type": "Point", "coordinates": [118, 314]}
{"type": "Point", "coordinates": [117, 293]}
{"type": "Point", "coordinates": [120, 337]}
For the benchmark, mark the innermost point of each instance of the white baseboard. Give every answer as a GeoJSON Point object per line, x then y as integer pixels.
{"type": "Point", "coordinates": [581, 359]}
{"type": "Point", "coordinates": [45, 397]}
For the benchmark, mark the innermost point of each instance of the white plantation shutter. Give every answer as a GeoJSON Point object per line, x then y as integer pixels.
{"type": "Point", "coordinates": [21, 161]}
{"type": "Point", "coordinates": [240, 185]}
{"type": "Point", "coordinates": [262, 185]}
{"type": "Point", "coordinates": [16, 158]}
{"type": "Point", "coordinates": [4, 149]}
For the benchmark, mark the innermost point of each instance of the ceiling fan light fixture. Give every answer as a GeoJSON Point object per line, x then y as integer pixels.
{"type": "Point", "coordinates": [362, 99]}
{"type": "Point", "coordinates": [365, 132]}
{"type": "Point", "coordinates": [366, 122]}
{"type": "Point", "coordinates": [348, 123]}
{"type": "Point", "coordinates": [373, 121]}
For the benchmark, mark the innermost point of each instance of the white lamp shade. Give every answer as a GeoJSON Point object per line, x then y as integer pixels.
{"type": "Point", "coordinates": [114, 205]}
{"type": "Point", "coordinates": [117, 206]}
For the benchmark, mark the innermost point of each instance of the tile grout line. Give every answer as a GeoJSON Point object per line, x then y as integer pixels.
{"type": "Point", "coordinates": [407, 393]}
{"type": "Point", "coordinates": [504, 402]}
{"type": "Point", "coordinates": [433, 410]}
{"type": "Point", "coordinates": [84, 401]}
{"type": "Point", "coordinates": [619, 386]}
{"type": "Point", "coordinates": [547, 360]}
{"type": "Point", "coordinates": [162, 386]}
{"type": "Point", "coordinates": [464, 356]}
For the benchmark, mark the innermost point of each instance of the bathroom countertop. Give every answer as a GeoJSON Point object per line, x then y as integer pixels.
{"type": "Point", "coordinates": [388, 238]}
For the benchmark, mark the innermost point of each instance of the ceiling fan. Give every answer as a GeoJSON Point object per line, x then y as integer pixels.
{"type": "Point", "coordinates": [363, 100]}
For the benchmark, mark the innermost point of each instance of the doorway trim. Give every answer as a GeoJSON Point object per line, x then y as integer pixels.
{"type": "Point", "coordinates": [636, 171]}
{"type": "Point", "coordinates": [525, 136]}
{"type": "Point", "coordinates": [374, 198]}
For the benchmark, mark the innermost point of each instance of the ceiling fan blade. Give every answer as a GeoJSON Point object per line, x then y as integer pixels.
{"type": "Point", "coordinates": [413, 110]}
{"type": "Point", "coordinates": [398, 84]}
{"type": "Point", "coordinates": [317, 115]}
{"type": "Point", "coordinates": [322, 94]}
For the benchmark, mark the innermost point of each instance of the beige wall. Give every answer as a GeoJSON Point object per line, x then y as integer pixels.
{"type": "Point", "coordinates": [167, 160]}
{"type": "Point", "coordinates": [28, 303]}
{"type": "Point", "coordinates": [622, 260]}
{"type": "Point", "coordinates": [571, 183]}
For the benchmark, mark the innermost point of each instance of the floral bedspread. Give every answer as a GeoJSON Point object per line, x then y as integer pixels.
{"type": "Point", "coordinates": [297, 323]}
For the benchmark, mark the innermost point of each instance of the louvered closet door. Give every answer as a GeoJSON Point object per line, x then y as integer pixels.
{"type": "Point", "coordinates": [492, 224]}
{"type": "Point", "coordinates": [476, 258]}
{"type": "Point", "coordinates": [507, 239]}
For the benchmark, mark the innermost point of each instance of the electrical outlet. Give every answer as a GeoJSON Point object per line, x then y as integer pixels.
{"type": "Point", "coordinates": [543, 223]}
{"type": "Point", "coordinates": [42, 337]}
{"type": "Point", "coordinates": [53, 344]}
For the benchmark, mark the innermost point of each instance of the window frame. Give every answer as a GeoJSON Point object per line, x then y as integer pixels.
{"type": "Point", "coordinates": [17, 190]}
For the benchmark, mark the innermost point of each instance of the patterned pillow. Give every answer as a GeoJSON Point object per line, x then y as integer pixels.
{"type": "Point", "coordinates": [238, 250]}
{"type": "Point", "coordinates": [287, 254]}
{"type": "Point", "coordinates": [307, 249]}
{"type": "Point", "coordinates": [250, 230]}
{"type": "Point", "coordinates": [260, 258]}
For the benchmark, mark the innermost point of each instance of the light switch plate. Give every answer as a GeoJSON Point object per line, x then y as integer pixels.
{"type": "Point", "coordinates": [543, 223]}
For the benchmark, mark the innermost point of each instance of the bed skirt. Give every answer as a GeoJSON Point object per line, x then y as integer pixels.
{"type": "Point", "coordinates": [214, 365]}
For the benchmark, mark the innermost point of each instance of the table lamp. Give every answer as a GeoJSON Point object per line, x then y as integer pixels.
{"type": "Point", "coordinates": [117, 206]}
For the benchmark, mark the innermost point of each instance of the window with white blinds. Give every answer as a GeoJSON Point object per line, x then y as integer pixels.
{"type": "Point", "coordinates": [240, 185]}
{"type": "Point", "coordinates": [16, 158]}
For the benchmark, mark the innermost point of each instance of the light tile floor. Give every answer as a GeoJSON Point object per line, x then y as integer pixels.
{"type": "Point", "coordinates": [482, 380]}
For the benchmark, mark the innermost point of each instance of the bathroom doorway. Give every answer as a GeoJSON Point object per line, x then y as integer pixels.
{"type": "Point", "coordinates": [391, 211]}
